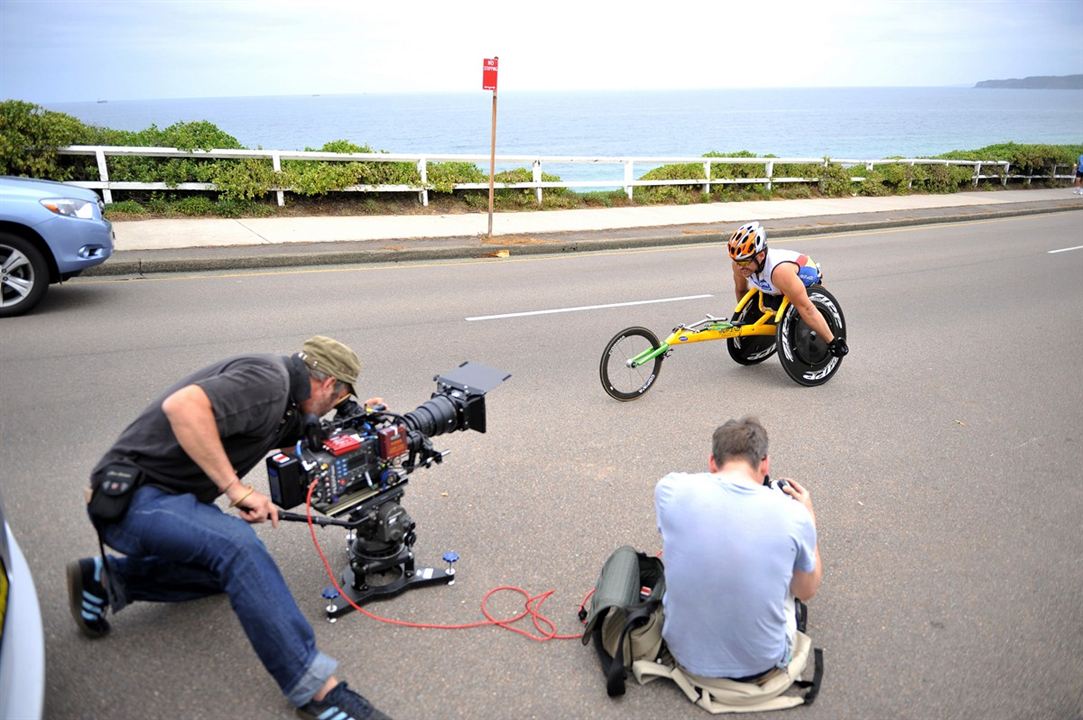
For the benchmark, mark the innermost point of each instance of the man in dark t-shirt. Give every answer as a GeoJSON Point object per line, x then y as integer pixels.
{"type": "Point", "coordinates": [190, 446]}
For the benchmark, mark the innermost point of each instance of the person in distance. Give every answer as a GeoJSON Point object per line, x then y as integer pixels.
{"type": "Point", "coordinates": [152, 498]}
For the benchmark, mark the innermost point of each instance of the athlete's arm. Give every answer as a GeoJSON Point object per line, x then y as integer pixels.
{"type": "Point", "coordinates": [784, 277]}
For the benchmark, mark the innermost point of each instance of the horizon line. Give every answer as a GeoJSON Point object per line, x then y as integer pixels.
{"type": "Point", "coordinates": [383, 93]}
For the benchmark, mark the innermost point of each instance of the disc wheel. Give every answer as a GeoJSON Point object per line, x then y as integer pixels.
{"type": "Point", "coordinates": [804, 356]}
{"type": "Point", "coordinates": [619, 379]}
{"type": "Point", "coordinates": [24, 275]}
{"type": "Point", "coordinates": [753, 349]}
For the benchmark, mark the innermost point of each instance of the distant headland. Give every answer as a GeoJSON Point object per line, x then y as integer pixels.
{"type": "Point", "coordinates": [1037, 82]}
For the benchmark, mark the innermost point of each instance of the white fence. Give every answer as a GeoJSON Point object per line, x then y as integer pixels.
{"type": "Point", "coordinates": [626, 180]}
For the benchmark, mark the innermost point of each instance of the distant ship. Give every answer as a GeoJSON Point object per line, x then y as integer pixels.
{"type": "Point", "coordinates": [103, 101]}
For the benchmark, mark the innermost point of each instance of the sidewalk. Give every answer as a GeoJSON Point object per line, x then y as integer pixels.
{"type": "Point", "coordinates": [214, 244]}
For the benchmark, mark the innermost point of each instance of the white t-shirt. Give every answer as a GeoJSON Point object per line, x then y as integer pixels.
{"type": "Point", "coordinates": [730, 549]}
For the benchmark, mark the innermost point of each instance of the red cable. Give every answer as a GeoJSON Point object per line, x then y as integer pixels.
{"type": "Point", "coordinates": [532, 606]}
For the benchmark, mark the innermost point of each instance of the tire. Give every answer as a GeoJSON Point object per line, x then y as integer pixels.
{"type": "Point", "coordinates": [804, 357]}
{"type": "Point", "coordinates": [24, 275]}
{"type": "Point", "coordinates": [620, 381]}
{"type": "Point", "coordinates": [754, 349]}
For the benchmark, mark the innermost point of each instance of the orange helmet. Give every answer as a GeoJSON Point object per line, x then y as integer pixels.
{"type": "Point", "coordinates": [747, 240]}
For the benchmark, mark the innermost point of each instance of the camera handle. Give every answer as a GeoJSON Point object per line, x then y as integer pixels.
{"type": "Point", "coordinates": [321, 520]}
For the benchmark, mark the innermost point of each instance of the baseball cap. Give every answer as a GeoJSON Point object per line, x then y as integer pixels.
{"type": "Point", "coordinates": [332, 357]}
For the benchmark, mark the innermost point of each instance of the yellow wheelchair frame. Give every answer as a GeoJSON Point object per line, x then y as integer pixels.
{"type": "Point", "coordinates": [804, 356]}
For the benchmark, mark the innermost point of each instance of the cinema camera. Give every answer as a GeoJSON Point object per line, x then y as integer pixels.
{"type": "Point", "coordinates": [360, 462]}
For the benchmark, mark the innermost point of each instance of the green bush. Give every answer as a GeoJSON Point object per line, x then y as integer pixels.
{"type": "Point", "coordinates": [125, 207]}
{"type": "Point", "coordinates": [604, 198]}
{"type": "Point", "coordinates": [158, 204]}
{"type": "Point", "coordinates": [941, 178]}
{"type": "Point", "coordinates": [721, 171]}
{"type": "Point", "coordinates": [835, 180]}
{"type": "Point", "coordinates": [668, 194]}
{"type": "Point", "coordinates": [683, 171]}
{"type": "Point", "coordinates": [525, 198]}
{"type": "Point", "coordinates": [874, 185]}
{"type": "Point", "coordinates": [194, 205]}
{"type": "Point", "coordinates": [740, 193]}
{"type": "Point", "coordinates": [444, 176]}
{"type": "Point", "coordinates": [475, 200]}
{"type": "Point", "coordinates": [244, 179]}
{"type": "Point", "coordinates": [896, 176]}
{"type": "Point", "coordinates": [792, 191]}
{"type": "Point", "coordinates": [1024, 159]}
{"type": "Point", "coordinates": [315, 177]}
{"type": "Point", "coordinates": [199, 135]}
{"type": "Point", "coordinates": [241, 208]}
{"type": "Point", "coordinates": [29, 137]}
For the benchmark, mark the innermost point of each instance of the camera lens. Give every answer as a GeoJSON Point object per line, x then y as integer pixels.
{"type": "Point", "coordinates": [436, 416]}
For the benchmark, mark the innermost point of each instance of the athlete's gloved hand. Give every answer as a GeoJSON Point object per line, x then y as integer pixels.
{"type": "Point", "coordinates": [838, 347]}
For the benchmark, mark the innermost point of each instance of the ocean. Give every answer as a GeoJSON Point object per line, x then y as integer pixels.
{"type": "Point", "coordinates": [858, 123]}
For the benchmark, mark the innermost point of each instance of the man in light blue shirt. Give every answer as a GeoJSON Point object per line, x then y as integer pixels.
{"type": "Point", "coordinates": [737, 552]}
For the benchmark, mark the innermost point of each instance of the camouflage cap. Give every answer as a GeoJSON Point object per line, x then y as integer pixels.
{"type": "Point", "coordinates": [332, 357]}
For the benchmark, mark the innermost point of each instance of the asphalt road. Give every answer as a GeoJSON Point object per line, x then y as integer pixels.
{"type": "Point", "coordinates": [944, 460]}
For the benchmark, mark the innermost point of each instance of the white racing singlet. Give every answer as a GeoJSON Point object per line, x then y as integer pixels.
{"type": "Point", "coordinates": [807, 270]}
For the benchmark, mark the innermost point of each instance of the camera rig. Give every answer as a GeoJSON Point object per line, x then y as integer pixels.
{"type": "Point", "coordinates": [357, 466]}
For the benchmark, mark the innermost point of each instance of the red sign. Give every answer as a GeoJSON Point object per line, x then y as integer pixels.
{"type": "Point", "coordinates": [488, 73]}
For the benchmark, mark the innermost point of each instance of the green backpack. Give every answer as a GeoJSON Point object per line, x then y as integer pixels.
{"type": "Point", "coordinates": [621, 614]}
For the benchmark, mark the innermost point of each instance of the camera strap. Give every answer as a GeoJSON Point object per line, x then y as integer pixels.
{"type": "Point", "coordinates": [107, 583]}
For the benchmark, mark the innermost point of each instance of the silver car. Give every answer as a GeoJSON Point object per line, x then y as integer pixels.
{"type": "Point", "coordinates": [49, 232]}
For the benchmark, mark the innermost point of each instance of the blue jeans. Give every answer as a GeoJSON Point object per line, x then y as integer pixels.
{"type": "Point", "coordinates": [181, 549]}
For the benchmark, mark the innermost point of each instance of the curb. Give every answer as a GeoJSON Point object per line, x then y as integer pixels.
{"type": "Point", "coordinates": [546, 244]}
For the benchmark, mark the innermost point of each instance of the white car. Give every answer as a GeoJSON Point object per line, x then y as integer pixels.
{"type": "Point", "coordinates": [22, 640]}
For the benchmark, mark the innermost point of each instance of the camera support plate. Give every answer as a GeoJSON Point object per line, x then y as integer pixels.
{"type": "Point", "coordinates": [409, 579]}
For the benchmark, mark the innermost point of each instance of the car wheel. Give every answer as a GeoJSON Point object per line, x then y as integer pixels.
{"type": "Point", "coordinates": [24, 275]}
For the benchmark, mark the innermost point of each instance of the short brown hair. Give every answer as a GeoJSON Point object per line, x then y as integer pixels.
{"type": "Point", "coordinates": [744, 439]}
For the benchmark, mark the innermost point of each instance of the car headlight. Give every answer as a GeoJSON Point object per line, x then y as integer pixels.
{"type": "Point", "coordinates": [70, 207]}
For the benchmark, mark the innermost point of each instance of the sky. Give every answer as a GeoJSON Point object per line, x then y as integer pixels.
{"type": "Point", "coordinates": [78, 50]}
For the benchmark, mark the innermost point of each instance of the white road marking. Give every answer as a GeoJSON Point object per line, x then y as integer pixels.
{"type": "Point", "coordinates": [586, 307]}
{"type": "Point", "coordinates": [1077, 247]}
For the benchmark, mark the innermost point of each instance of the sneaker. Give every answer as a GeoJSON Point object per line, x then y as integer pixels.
{"type": "Point", "coordinates": [88, 597]}
{"type": "Point", "coordinates": [341, 703]}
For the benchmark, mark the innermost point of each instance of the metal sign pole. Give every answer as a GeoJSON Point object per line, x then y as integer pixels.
{"type": "Point", "coordinates": [492, 165]}
{"type": "Point", "coordinates": [490, 82]}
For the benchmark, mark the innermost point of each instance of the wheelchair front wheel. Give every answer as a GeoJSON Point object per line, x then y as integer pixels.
{"type": "Point", "coordinates": [804, 356]}
{"type": "Point", "coordinates": [621, 381]}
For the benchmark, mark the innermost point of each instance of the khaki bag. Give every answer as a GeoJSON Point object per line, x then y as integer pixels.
{"type": "Point", "coordinates": [720, 695]}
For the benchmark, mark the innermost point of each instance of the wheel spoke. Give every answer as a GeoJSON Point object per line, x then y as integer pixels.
{"type": "Point", "coordinates": [15, 261]}
{"type": "Point", "coordinates": [620, 379]}
{"type": "Point", "coordinates": [19, 285]}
